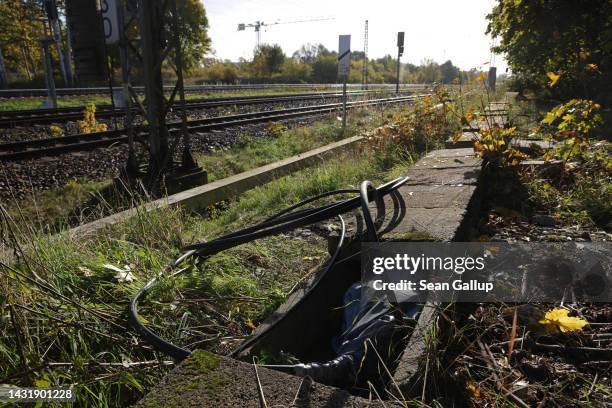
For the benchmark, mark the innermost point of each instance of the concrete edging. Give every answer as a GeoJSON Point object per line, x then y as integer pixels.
{"type": "Point", "coordinates": [211, 193]}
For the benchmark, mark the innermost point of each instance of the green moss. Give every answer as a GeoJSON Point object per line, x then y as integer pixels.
{"type": "Point", "coordinates": [201, 362]}
{"type": "Point", "coordinates": [198, 372]}
{"type": "Point", "coordinates": [410, 236]}
{"type": "Point", "coordinates": [201, 368]}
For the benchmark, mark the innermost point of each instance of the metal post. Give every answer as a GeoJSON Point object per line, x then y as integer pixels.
{"type": "Point", "coordinates": [365, 56]}
{"type": "Point", "coordinates": [344, 105]}
{"type": "Point", "coordinates": [400, 51]}
{"type": "Point", "coordinates": [131, 167]}
{"type": "Point", "coordinates": [68, 55]}
{"type": "Point", "coordinates": [150, 31]}
{"type": "Point", "coordinates": [51, 95]}
{"type": "Point", "coordinates": [187, 160]}
{"type": "Point", "coordinates": [3, 80]}
{"type": "Point", "coordinates": [397, 83]}
{"type": "Point", "coordinates": [51, 9]}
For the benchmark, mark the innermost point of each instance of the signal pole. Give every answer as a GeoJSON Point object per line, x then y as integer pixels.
{"type": "Point", "coordinates": [365, 57]}
{"type": "Point", "coordinates": [400, 52]}
{"type": "Point", "coordinates": [344, 68]}
{"type": "Point", "coordinates": [3, 81]}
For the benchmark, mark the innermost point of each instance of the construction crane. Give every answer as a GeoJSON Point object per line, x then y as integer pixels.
{"type": "Point", "coordinates": [258, 24]}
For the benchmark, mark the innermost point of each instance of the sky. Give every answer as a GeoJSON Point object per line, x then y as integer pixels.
{"type": "Point", "coordinates": [436, 29]}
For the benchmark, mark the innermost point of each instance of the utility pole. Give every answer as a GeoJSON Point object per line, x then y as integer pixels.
{"type": "Point", "coordinates": [158, 41]}
{"type": "Point", "coordinates": [151, 26]}
{"type": "Point", "coordinates": [344, 68]}
{"type": "Point", "coordinates": [400, 52]}
{"type": "Point", "coordinates": [49, 80]}
{"type": "Point", "coordinates": [3, 80]}
{"type": "Point", "coordinates": [365, 57]}
{"type": "Point", "coordinates": [51, 9]}
{"type": "Point", "coordinates": [68, 55]}
{"type": "Point", "coordinates": [131, 167]}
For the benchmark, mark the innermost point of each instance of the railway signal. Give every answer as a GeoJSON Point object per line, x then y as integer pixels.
{"type": "Point", "coordinates": [400, 52]}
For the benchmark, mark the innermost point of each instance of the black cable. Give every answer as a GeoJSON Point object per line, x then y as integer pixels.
{"type": "Point", "coordinates": [365, 209]}
{"type": "Point", "coordinates": [283, 221]}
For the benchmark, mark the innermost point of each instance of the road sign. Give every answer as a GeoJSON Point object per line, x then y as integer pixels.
{"type": "Point", "coordinates": [110, 22]}
{"type": "Point", "coordinates": [344, 60]}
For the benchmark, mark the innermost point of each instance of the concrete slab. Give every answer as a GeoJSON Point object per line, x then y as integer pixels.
{"type": "Point", "coordinates": [466, 140]}
{"type": "Point", "coordinates": [433, 203]}
{"type": "Point", "coordinates": [209, 380]}
{"type": "Point", "coordinates": [447, 162]}
{"type": "Point", "coordinates": [445, 153]}
{"type": "Point", "coordinates": [447, 176]}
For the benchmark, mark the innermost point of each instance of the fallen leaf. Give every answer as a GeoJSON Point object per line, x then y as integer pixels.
{"type": "Point", "coordinates": [557, 319]}
{"type": "Point", "coordinates": [593, 67]}
{"type": "Point", "coordinates": [311, 258]}
{"type": "Point", "coordinates": [554, 78]}
{"type": "Point", "coordinates": [122, 274]}
{"type": "Point", "coordinates": [249, 323]}
{"type": "Point", "coordinates": [473, 389]}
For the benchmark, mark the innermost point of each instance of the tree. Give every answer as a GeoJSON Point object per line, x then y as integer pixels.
{"type": "Point", "coordinates": [449, 72]}
{"type": "Point", "coordinates": [307, 53]}
{"type": "Point", "coordinates": [325, 69]}
{"type": "Point", "coordinates": [195, 41]}
{"type": "Point", "coordinates": [294, 71]}
{"type": "Point", "coordinates": [224, 72]}
{"type": "Point", "coordinates": [268, 60]}
{"type": "Point", "coordinates": [567, 38]}
{"type": "Point", "coordinates": [429, 72]}
{"type": "Point", "coordinates": [20, 33]}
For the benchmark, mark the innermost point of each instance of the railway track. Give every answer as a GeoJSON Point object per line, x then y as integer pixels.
{"type": "Point", "coordinates": [59, 115]}
{"type": "Point", "coordinates": [29, 149]}
{"type": "Point", "coordinates": [40, 92]}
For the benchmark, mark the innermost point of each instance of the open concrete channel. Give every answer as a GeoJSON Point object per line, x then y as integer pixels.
{"type": "Point", "coordinates": [439, 202]}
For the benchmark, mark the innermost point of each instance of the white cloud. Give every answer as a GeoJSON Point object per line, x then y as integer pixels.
{"type": "Point", "coordinates": [438, 29]}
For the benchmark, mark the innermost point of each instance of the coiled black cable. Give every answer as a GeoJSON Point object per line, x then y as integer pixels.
{"type": "Point", "coordinates": [286, 220]}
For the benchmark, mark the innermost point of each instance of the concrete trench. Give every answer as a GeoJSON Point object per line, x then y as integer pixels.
{"type": "Point", "coordinates": [440, 202]}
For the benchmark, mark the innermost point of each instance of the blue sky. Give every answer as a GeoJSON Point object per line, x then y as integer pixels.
{"type": "Point", "coordinates": [437, 29]}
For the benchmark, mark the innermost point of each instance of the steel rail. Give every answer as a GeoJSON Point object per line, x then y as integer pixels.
{"type": "Point", "coordinates": [41, 92]}
{"type": "Point", "coordinates": [38, 116]}
{"type": "Point", "coordinates": [52, 146]}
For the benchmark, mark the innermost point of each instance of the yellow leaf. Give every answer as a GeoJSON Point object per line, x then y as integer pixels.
{"type": "Point", "coordinates": [593, 67]}
{"type": "Point", "coordinates": [554, 78]}
{"type": "Point", "coordinates": [311, 258]}
{"type": "Point", "coordinates": [482, 77]}
{"type": "Point", "coordinates": [473, 389]}
{"type": "Point", "coordinates": [557, 320]}
{"type": "Point", "coordinates": [249, 323]}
